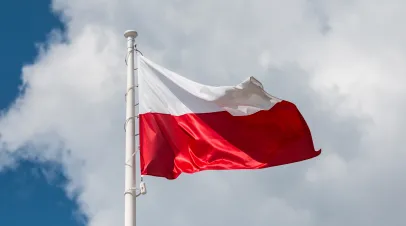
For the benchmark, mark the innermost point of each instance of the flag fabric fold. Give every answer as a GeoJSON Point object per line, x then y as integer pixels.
{"type": "Point", "coordinates": [187, 127]}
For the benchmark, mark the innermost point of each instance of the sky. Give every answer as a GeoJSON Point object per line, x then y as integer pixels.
{"type": "Point", "coordinates": [31, 192]}
{"type": "Point", "coordinates": [340, 62]}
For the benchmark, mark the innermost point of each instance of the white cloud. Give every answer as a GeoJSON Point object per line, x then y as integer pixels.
{"type": "Point", "coordinates": [340, 61]}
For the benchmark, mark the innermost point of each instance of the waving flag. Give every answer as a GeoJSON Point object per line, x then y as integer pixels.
{"type": "Point", "coordinates": [187, 127]}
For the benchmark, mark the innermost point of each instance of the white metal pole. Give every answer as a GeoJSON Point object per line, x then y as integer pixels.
{"type": "Point", "coordinates": [130, 193]}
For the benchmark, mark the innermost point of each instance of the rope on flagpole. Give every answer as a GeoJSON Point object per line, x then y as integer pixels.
{"type": "Point", "coordinates": [137, 51]}
{"type": "Point", "coordinates": [125, 124]}
{"type": "Point", "coordinates": [142, 190]}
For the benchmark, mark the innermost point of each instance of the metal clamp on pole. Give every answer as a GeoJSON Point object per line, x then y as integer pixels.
{"type": "Point", "coordinates": [143, 188]}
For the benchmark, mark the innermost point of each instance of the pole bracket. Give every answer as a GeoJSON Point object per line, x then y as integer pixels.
{"type": "Point", "coordinates": [137, 191]}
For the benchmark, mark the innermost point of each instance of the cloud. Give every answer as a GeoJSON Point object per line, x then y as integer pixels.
{"type": "Point", "coordinates": [341, 62]}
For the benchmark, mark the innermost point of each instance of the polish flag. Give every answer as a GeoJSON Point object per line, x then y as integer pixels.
{"type": "Point", "coordinates": [187, 127]}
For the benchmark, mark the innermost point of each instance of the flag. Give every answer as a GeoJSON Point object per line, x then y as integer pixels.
{"type": "Point", "coordinates": [187, 127]}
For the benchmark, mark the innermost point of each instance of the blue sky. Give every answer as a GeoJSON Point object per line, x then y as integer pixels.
{"type": "Point", "coordinates": [30, 193]}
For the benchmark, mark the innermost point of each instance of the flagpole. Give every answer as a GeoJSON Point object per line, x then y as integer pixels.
{"type": "Point", "coordinates": [130, 192]}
